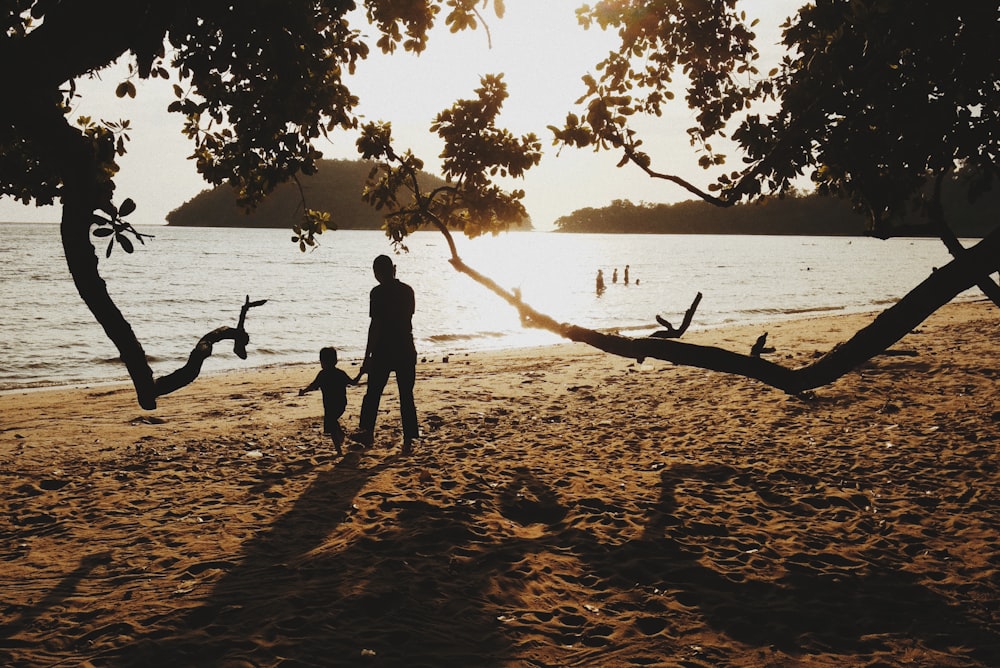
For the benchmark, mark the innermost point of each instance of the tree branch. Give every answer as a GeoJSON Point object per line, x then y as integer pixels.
{"type": "Point", "coordinates": [670, 332]}
{"type": "Point", "coordinates": [203, 350]}
{"type": "Point", "coordinates": [633, 157]}
{"type": "Point", "coordinates": [890, 326]}
{"type": "Point", "coordinates": [935, 212]}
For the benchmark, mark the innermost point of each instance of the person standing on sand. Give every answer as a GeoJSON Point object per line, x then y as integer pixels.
{"type": "Point", "coordinates": [390, 349]}
{"type": "Point", "coordinates": [333, 383]}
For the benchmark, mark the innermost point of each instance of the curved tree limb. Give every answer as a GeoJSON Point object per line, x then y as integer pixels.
{"type": "Point", "coordinates": [935, 212]}
{"type": "Point", "coordinates": [633, 156]}
{"type": "Point", "coordinates": [82, 193]}
{"type": "Point", "coordinates": [890, 326]}
{"type": "Point", "coordinates": [203, 350]}
{"type": "Point", "coordinates": [79, 202]}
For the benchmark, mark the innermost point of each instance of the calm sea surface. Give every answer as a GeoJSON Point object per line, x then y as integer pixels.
{"type": "Point", "coordinates": [187, 281]}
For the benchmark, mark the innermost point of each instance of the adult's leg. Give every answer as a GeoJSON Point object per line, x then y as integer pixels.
{"type": "Point", "coordinates": [377, 378]}
{"type": "Point", "coordinates": [406, 377]}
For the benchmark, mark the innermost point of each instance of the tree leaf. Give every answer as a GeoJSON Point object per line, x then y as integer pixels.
{"type": "Point", "coordinates": [103, 232]}
{"type": "Point", "coordinates": [127, 207]}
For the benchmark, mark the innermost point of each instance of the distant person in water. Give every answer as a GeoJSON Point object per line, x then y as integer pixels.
{"type": "Point", "coordinates": [614, 275]}
{"type": "Point", "coordinates": [390, 349]}
{"type": "Point", "coordinates": [626, 274]}
{"type": "Point", "coordinates": [332, 382]}
{"type": "Point", "coordinates": [600, 281]}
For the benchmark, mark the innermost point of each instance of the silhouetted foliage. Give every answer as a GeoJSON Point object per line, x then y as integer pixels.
{"type": "Point", "coordinates": [475, 152]}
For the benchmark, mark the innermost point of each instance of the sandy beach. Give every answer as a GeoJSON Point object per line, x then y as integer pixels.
{"type": "Point", "coordinates": [564, 508]}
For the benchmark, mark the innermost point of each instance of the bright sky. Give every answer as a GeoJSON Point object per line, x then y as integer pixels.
{"type": "Point", "coordinates": [540, 49]}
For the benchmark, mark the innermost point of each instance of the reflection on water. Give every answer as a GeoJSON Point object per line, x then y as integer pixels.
{"type": "Point", "coordinates": [185, 282]}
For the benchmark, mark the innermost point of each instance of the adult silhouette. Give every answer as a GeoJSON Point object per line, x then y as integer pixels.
{"type": "Point", "coordinates": [390, 349]}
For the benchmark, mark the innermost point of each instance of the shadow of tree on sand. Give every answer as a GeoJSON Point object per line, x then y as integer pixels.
{"type": "Point", "coordinates": [819, 603]}
{"type": "Point", "coordinates": [65, 589]}
{"type": "Point", "coordinates": [429, 585]}
{"type": "Point", "coordinates": [291, 601]}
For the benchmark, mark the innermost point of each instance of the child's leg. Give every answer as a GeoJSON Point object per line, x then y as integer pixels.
{"type": "Point", "coordinates": [337, 435]}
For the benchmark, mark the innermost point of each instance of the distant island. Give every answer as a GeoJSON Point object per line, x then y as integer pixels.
{"type": "Point", "coordinates": [335, 187]}
{"type": "Point", "coordinates": [792, 215]}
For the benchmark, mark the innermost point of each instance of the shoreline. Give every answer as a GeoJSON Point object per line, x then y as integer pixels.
{"type": "Point", "coordinates": [564, 507]}
{"type": "Point", "coordinates": [709, 334]}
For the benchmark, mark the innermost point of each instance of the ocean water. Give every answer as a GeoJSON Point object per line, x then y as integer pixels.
{"type": "Point", "coordinates": [187, 281]}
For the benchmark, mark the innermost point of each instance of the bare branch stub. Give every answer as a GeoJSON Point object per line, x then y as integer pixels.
{"type": "Point", "coordinates": [240, 343]}
{"type": "Point", "coordinates": [760, 346]}
{"type": "Point", "coordinates": [670, 332]}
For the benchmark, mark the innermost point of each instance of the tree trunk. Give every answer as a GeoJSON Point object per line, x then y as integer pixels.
{"type": "Point", "coordinates": [81, 194]}
{"type": "Point", "coordinates": [84, 191]}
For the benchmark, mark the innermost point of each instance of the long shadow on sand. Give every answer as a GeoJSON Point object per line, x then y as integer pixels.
{"type": "Point", "coordinates": [429, 584]}
{"type": "Point", "coordinates": [823, 602]}
{"type": "Point", "coordinates": [291, 601]}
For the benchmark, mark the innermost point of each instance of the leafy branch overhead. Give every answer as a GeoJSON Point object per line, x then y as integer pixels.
{"type": "Point", "coordinates": [113, 225]}
{"type": "Point", "coordinates": [476, 152]}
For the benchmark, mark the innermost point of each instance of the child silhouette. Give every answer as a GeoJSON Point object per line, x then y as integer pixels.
{"type": "Point", "coordinates": [332, 382]}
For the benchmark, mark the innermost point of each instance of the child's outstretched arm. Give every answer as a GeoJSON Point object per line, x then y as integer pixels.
{"type": "Point", "coordinates": [311, 387]}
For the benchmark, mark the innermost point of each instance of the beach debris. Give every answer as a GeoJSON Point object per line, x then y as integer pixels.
{"type": "Point", "coordinates": [147, 419]}
{"type": "Point", "coordinates": [185, 587]}
{"type": "Point", "coordinates": [368, 653]}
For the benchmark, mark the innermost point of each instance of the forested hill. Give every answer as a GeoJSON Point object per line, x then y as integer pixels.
{"type": "Point", "coordinates": [336, 187]}
{"type": "Point", "coordinates": [799, 215]}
